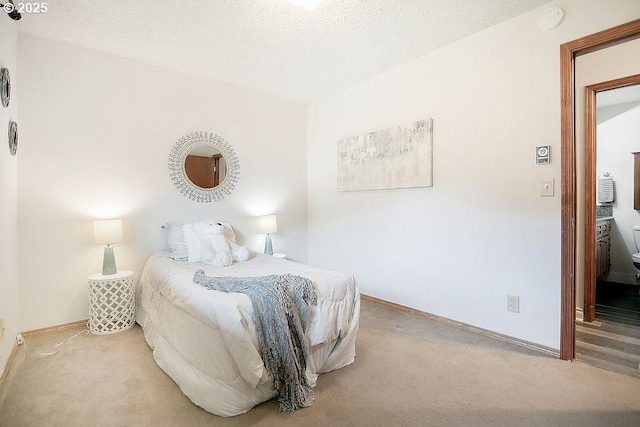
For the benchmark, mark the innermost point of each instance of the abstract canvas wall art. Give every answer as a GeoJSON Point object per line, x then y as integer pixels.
{"type": "Point", "coordinates": [397, 157]}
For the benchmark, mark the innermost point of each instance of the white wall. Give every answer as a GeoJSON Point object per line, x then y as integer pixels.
{"type": "Point", "coordinates": [96, 133]}
{"type": "Point", "coordinates": [482, 231]}
{"type": "Point", "coordinates": [618, 137]}
{"type": "Point", "coordinates": [8, 196]}
{"type": "Point", "coordinates": [96, 130]}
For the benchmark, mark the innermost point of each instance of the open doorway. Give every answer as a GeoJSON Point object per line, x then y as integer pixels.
{"type": "Point", "coordinates": [568, 53]}
{"type": "Point", "coordinates": [609, 333]}
{"type": "Point", "coordinates": [618, 92]}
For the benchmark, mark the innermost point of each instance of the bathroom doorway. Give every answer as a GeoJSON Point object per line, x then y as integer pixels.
{"type": "Point", "coordinates": [609, 335]}
{"type": "Point", "coordinates": [569, 210]}
{"type": "Point", "coordinates": [622, 91]}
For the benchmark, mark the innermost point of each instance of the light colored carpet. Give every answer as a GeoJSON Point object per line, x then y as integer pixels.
{"type": "Point", "coordinates": [409, 371]}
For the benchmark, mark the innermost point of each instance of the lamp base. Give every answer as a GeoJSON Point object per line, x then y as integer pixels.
{"type": "Point", "coordinates": [109, 262]}
{"type": "Point", "coordinates": [268, 248]}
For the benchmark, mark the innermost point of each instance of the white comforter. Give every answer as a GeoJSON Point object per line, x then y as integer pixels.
{"type": "Point", "coordinates": [205, 339]}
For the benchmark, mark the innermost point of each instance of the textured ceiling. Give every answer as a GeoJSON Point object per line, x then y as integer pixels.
{"type": "Point", "coordinates": [272, 46]}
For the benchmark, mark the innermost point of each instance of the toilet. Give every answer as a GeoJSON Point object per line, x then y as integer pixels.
{"type": "Point", "coordinates": [636, 256]}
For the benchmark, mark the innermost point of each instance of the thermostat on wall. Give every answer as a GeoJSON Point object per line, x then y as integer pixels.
{"type": "Point", "coordinates": [543, 155]}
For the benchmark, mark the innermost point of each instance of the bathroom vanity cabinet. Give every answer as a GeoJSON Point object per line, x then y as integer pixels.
{"type": "Point", "coordinates": [603, 246]}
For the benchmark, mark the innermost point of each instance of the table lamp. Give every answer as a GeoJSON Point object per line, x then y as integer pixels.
{"type": "Point", "coordinates": [268, 225]}
{"type": "Point", "coordinates": [107, 231]}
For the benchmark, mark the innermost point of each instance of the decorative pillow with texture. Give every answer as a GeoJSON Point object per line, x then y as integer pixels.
{"type": "Point", "coordinates": [193, 242]}
{"type": "Point", "coordinates": [175, 240]}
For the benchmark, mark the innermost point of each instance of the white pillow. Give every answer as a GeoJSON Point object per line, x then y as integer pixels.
{"type": "Point", "coordinates": [193, 242]}
{"type": "Point", "coordinates": [175, 240]}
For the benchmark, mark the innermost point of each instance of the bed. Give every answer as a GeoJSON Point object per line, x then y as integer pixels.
{"type": "Point", "coordinates": [205, 340]}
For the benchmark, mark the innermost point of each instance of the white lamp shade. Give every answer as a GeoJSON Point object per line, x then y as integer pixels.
{"type": "Point", "coordinates": [268, 224]}
{"type": "Point", "coordinates": [107, 231]}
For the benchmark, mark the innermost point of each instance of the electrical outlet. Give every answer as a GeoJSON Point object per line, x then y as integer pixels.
{"type": "Point", "coordinates": [513, 303]}
{"type": "Point", "coordinates": [1, 327]}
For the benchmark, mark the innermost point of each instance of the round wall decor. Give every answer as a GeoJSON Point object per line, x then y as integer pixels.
{"type": "Point", "coordinates": [5, 87]}
{"type": "Point", "coordinates": [192, 143]}
{"type": "Point", "coordinates": [13, 138]}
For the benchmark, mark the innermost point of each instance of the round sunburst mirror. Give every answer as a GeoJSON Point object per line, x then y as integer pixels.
{"type": "Point", "coordinates": [204, 167]}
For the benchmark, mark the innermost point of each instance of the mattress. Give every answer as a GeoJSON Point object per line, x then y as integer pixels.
{"type": "Point", "coordinates": [205, 340]}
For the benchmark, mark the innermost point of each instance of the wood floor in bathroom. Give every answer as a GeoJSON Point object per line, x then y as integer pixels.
{"type": "Point", "coordinates": [612, 341]}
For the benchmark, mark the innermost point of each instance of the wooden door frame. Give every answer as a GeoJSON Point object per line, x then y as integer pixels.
{"type": "Point", "coordinates": [568, 52]}
{"type": "Point", "coordinates": [590, 162]}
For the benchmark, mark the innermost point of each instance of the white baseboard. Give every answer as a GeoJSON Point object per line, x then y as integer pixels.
{"type": "Point", "coordinates": [579, 314]}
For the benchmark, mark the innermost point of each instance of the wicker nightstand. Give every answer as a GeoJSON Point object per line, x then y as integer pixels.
{"type": "Point", "coordinates": [111, 302]}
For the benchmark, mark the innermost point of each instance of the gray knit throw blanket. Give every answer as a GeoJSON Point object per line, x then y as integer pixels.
{"type": "Point", "coordinates": [281, 311]}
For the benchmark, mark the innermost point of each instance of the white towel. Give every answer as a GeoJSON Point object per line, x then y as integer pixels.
{"type": "Point", "coordinates": [605, 188]}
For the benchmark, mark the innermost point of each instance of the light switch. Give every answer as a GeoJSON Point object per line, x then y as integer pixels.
{"type": "Point", "coordinates": [546, 187]}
